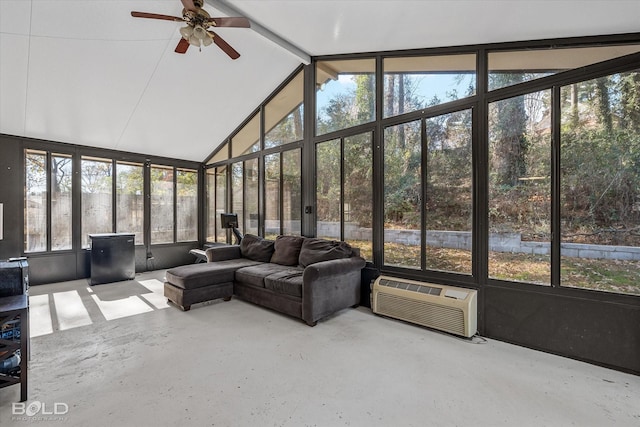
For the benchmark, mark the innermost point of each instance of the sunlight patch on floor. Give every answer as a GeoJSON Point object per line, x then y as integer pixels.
{"type": "Point", "coordinates": [122, 307]}
{"type": "Point", "coordinates": [70, 310]}
{"type": "Point", "coordinates": [39, 316]}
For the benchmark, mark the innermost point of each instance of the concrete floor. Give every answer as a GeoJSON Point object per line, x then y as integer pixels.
{"type": "Point", "coordinates": [117, 355]}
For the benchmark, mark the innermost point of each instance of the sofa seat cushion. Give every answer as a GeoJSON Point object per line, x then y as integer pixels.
{"type": "Point", "coordinates": [255, 274]}
{"type": "Point", "coordinates": [194, 276]}
{"type": "Point", "coordinates": [287, 282]}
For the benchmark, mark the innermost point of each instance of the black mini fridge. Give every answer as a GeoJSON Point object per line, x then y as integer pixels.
{"type": "Point", "coordinates": [113, 257]}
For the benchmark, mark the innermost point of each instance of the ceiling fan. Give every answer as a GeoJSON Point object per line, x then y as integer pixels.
{"type": "Point", "coordinates": [198, 21]}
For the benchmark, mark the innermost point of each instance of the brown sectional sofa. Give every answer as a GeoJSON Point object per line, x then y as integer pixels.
{"type": "Point", "coordinates": [304, 277]}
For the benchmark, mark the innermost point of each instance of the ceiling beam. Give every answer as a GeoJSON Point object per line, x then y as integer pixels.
{"type": "Point", "coordinates": [294, 50]}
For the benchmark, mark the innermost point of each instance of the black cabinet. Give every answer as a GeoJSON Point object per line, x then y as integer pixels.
{"type": "Point", "coordinates": [112, 257]}
{"type": "Point", "coordinates": [14, 341]}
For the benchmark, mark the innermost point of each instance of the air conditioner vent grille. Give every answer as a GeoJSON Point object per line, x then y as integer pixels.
{"type": "Point", "coordinates": [448, 308]}
{"type": "Point", "coordinates": [424, 289]}
{"type": "Point", "coordinates": [436, 316]}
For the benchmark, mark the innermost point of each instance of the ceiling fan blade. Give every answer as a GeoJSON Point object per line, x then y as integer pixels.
{"type": "Point", "coordinates": [155, 16]}
{"type": "Point", "coordinates": [182, 47]}
{"type": "Point", "coordinates": [226, 47]}
{"type": "Point", "coordinates": [188, 4]}
{"type": "Point", "coordinates": [238, 22]}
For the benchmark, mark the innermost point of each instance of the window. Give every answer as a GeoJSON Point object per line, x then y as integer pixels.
{"type": "Point", "coordinates": [344, 193]}
{"type": "Point", "coordinates": [416, 82]}
{"type": "Point", "coordinates": [35, 202]}
{"type": "Point", "coordinates": [247, 140]}
{"type": "Point", "coordinates": [97, 197]}
{"type": "Point", "coordinates": [283, 203]}
{"type": "Point", "coordinates": [130, 200]}
{"type": "Point", "coordinates": [510, 67]}
{"type": "Point", "coordinates": [345, 94]}
{"type": "Point", "coordinates": [283, 115]}
{"type": "Point", "coordinates": [187, 205]}
{"type": "Point", "coordinates": [61, 202]}
{"type": "Point", "coordinates": [291, 192]}
{"type": "Point", "coordinates": [520, 189]}
{"type": "Point", "coordinates": [449, 185]}
{"type": "Point", "coordinates": [162, 191]}
{"type": "Point", "coordinates": [250, 208]}
{"type": "Point", "coordinates": [237, 190]}
{"type": "Point", "coordinates": [439, 172]}
{"type": "Point", "coordinates": [211, 204]}
{"type": "Point", "coordinates": [403, 195]}
{"type": "Point", "coordinates": [328, 190]}
{"type": "Point", "coordinates": [221, 154]}
{"type": "Point", "coordinates": [221, 202]}
{"type": "Point", "coordinates": [272, 195]}
{"type": "Point", "coordinates": [600, 184]}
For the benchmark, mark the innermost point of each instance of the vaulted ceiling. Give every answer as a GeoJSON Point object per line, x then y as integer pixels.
{"type": "Point", "coordinates": [86, 72]}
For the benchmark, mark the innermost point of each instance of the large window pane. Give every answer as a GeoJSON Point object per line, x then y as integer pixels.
{"type": "Point", "coordinates": [510, 67]}
{"type": "Point", "coordinates": [345, 94]}
{"type": "Point", "coordinates": [283, 115]}
{"type": "Point", "coordinates": [247, 140]}
{"type": "Point", "coordinates": [237, 187]}
{"type": "Point", "coordinates": [187, 205]}
{"type": "Point", "coordinates": [520, 189]}
{"type": "Point", "coordinates": [600, 184]}
{"type": "Point", "coordinates": [61, 204]}
{"type": "Point", "coordinates": [97, 197]}
{"type": "Point", "coordinates": [221, 202]}
{"type": "Point", "coordinates": [358, 193]}
{"type": "Point", "coordinates": [221, 154]}
{"type": "Point", "coordinates": [416, 82]}
{"type": "Point", "coordinates": [291, 192]}
{"type": "Point", "coordinates": [211, 204]}
{"type": "Point", "coordinates": [130, 200]}
{"type": "Point", "coordinates": [272, 195]}
{"type": "Point", "coordinates": [328, 190]}
{"type": "Point", "coordinates": [402, 195]}
{"type": "Point", "coordinates": [449, 205]}
{"type": "Point", "coordinates": [161, 204]}
{"type": "Point", "coordinates": [35, 203]}
{"type": "Point", "coordinates": [251, 211]}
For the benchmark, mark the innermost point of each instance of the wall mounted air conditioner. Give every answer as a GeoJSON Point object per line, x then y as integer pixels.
{"type": "Point", "coordinates": [447, 308]}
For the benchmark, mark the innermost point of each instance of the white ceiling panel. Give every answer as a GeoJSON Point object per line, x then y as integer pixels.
{"type": "Point", "coordinates": [86, 72]}
{"type": "Point", "coordinates": [78, 96]}
{"type": "Point", "coordinates": [13, 82]}
{"type": "Point", "coordinates": [329, 27]}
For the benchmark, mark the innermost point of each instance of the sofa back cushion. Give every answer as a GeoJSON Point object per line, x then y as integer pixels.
{"type": "Point", "coordinates": [316, 250]}
{"type": "Point", "coordinates": [256, 248]}
{"type": "Point", "coordinates": [287, 250]}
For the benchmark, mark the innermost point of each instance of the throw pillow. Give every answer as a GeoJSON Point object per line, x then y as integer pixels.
{"type": "Point", "coordinates": [287, 250]}
{"type": "Point", "coordinates": [256, 248]}
{"type": "Point", "coordinates": [316, 250]}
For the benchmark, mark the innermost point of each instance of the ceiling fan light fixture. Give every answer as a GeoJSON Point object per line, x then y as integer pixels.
{"type": "Point", "coordinates": [200, 32]}
{"type": "Point", "coordinates": [207, 40]}
{"type": "Point", "coordinates": [186, 32]}
{"type": "Point", "coordinates": [194, 41]}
